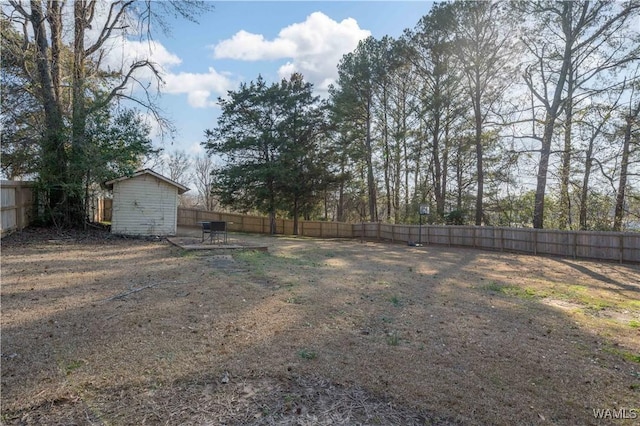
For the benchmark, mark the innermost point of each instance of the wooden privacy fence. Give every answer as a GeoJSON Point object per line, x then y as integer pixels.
{"type": "Point", "coordinates": [613, 246]}
{"type": "Point", "coordinates": [16, 205]}
{"type": "Point", "coordinates": [260, 224]}
{"type": "Point", "coordinates": [617, 246]}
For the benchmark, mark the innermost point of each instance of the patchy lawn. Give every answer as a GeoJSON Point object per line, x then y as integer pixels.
{"type": "Point", "coordinates": [104, 330]}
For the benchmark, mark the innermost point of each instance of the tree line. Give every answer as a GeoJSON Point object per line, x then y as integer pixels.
{"type": "Point", "coordinates": [518, 113]}
{"type": "Point", "coordinates": [493, 113]}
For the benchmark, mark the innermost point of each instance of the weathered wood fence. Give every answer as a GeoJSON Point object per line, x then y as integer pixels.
{"type": "Point", "coordinates": [260, 224]}
{"type": "Point", "coordinates": [615, 246]}
{"type": "Point", "coordinates": [16, 205]}
{"type": "Point", "coordinates": [102, 209]}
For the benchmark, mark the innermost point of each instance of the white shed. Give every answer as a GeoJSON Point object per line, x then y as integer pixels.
{"type": "Point", "coordinates": [145, 203]}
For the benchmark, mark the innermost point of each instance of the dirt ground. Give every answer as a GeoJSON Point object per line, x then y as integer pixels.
{"type": "Point", "coordinates": [104, 330]}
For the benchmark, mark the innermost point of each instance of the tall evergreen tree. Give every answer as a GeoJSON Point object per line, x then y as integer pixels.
{"type": "Point", "coordinates": [270, 138]}
{"type": "Point", "coordinates": [483, 48]}
{"type": "Point", "coordinates": [353, 100]}
{"type": "Point", "coordinates": [306, 162]}
{"type": "Point", "coordinates": [432, 43]}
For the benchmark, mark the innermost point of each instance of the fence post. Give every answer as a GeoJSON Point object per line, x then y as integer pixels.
{"type": "Point", "coordinates": [535, 241]}
{"type": "Point", "coordinates": [19, 208]}
{"type": "Point", "coordinates": [621, 248]}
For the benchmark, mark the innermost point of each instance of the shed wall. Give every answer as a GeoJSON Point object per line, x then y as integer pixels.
{"type": "Point", "coordinates": [144, 205]}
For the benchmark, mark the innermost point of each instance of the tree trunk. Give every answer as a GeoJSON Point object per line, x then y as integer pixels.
{"type": "Point", "coordinates": [551, 116]}
{"type": "Point", "coordinates": [565, 171]}
{"type": "Point", "coordinates": [78, 166]}
{"type": "Point", "coordinates": [479, 151]}
{"type": "Point", "coordinates": [584, 195]}
{"type": "Point", "coordinates": [340, 207]}
{"type": "Point", "coordinates": [543, 168]}
{"type": "Point", "coordinates": [624, 166]}
{"type": "Point", "coordinates": [387, 154]}
{"type": "Point", "coordinates": [459, 174]}
{"type": "Point", "coordinates": [417, 173]}
{"type": "Point", "coordinates": [397, 183]}
{"type": "Point", "coordinates": [54, 156]}
{"type": "Point", "coordinates": [445, 161]}
{"type": "Point", "coordinates": [295, 216]}
{"type": "Point", "coordinates": [54, 17]}
{"type": "Point", "coordinates": [370, 176]}
{"type": "Point", "coordinates": [406, 174]}
{"type": "Point", "coordinates": [437, 166]}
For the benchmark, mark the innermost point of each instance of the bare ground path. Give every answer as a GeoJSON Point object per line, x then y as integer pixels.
{"type": "Point", "coordinates": [104, 330]}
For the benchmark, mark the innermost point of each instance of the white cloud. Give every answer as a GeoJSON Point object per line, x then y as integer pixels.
{"type": "Point", "coordinates": [122, 53]}
{"type": "Point", "coordinates": [201, 89]}
{"type": "Point", "coordinates": [314, 47]}
{"type": "Point", "coordinates": [246, 46]}
{"type": "Point", "coordinates": [198, 86]}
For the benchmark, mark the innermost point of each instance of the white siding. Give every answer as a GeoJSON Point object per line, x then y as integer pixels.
{"type": "Point", "coordinates": [144, 205]}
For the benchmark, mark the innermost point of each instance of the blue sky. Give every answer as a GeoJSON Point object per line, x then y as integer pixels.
{"type": "Point", "coordinates": [239, 40]}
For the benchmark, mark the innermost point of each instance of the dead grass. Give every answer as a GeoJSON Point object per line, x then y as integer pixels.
{"type": "Point", "coordinates": [111, 331]}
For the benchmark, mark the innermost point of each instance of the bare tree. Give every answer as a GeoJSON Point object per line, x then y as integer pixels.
{"type": "Point", "coordinates": [203, 167]}
{"type": "Point", "coordinates": [564, 36]}
{"type": "Point", "coordinates": [631, 126]}
{"type": "Point", "coordinates": [177, 167]}
{"type": "Point", "coordinates": [43, 28]}
{"type": "Point", "coordinates": [594, 128]}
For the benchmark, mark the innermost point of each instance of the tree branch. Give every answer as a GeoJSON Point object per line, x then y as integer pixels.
{"type": "Point", "coordinates": [109, 25]}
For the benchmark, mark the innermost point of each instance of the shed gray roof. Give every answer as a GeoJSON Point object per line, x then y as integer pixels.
{"type": "Point", "coordinates": [181, 188]}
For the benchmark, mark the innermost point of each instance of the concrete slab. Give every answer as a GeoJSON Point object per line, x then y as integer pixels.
{"type": "Point", "coordinates": [195, 243]}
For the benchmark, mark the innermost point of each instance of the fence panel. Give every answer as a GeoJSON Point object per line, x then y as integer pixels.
{"type": "Point", "coordinates": [630, 248]}
{"type": "Point", "coordinates": [313, 229]}
{"type": "Point", "coordinates": [553, 242]}
{"type": "Point", "coordinates": [616, 246]}
{"type": "Point", "coordinates": [519, 240]}
{"type": "Point", "coordinates": [16, 205]}
{"type": "Point", "coordinates": [599, 245]}
{"type": "Point", "coordinates": [103, 210]}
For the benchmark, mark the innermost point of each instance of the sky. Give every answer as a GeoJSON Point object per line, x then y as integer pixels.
{"type": "Point", "coordinates": [239, 40]}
